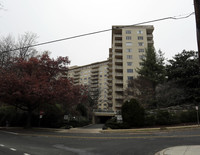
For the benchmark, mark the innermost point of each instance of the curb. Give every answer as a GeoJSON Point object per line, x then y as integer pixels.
{"type": "Point", "coordinates": [150, 129]}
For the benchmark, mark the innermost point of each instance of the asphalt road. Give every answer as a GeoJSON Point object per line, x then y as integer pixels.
{"type": "Point", "coordinates": [31, 142]}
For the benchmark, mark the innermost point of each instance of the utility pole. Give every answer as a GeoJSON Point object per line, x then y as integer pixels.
{"type": "Point", "coordinates": [197, 15]}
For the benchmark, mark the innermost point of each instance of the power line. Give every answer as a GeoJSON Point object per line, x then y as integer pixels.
{"type": "Point", "coordinates": [101, 31]}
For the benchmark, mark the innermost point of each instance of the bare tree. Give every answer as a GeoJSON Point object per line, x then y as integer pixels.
{"type": "Point", "coordinates": [24, 45]}
{"type": "Point", "coordinates": [7, 44]}
{"type": "Point", "coordinates": [22, 48]}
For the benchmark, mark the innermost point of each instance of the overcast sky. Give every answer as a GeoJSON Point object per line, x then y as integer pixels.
{"type": "Point", "coordinates": [56, 19]}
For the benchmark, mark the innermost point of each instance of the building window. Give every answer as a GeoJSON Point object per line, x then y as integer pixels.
{"type": "Point", "coordinates": [139, 32]}
{"type": "Point", "coordinates": [128, 31]}
{"type": "Point", "coordinates": [141, 57]}
{"type": "Point", "coordinates": [141, 50]}
{"type": "Point", "coordinates": [130, 77]}
{"type": "Point", "coordinates": [129, 50]}
{"type": "Point", "coordinates": [129, 63]}
{"type": "Point", "coordinates": [129, 70]}
{"type": "Point", "coordinates": [140, 44]}
{"type": "Point", "coordinates": [140, 63]}
{"type": "Point", "coordinates": [129, 44]}
{"type": "Point", "coordinates": [140, 37]}
{"type": "Point", "coordinates": [129, 56]}
{"type": "Point", "coordinates": [128, 37]}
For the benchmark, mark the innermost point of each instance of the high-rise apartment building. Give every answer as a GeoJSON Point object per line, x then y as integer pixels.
{"type": "Point", "coordinates": [94, 76]}
{"type": "Point", "coordinates": [110, 77]}
{"type": "Point", "coordinates": [125, 56]}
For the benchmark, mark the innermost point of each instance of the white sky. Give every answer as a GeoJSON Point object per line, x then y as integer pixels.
{"type": "Point", "coordinates": [56, 19]}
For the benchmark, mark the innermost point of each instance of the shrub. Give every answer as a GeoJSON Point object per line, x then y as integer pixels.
{"type": "Point", "coordinates": [150, 120]}
{"type": "Point", "coordinates": [81, 121]}
{"type": "Point", "coordinates": [188, 116]}
{"type": "Point", "coordinates": [133, 113]}
{"type": "Point", "coordinates": [10, 116]}
{"type": "Point", "coordinates": [162, 117]}
{"type": "Point", "coordinates": [53, 117]}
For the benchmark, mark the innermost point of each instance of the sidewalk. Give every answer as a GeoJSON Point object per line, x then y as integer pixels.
{"type": "Point", "coordinates": [80, 130]}
{"type": "Point", "coordinates": [181, 150]}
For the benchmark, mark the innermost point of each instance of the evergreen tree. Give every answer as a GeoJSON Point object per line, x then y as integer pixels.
{"type": "Point", "coordinates": [153, 66]}
{"type": "Point", "coordinates": [152, 71]}
{"type": "Point", "coordinates": [133, 113]}
{"type": "Point", "coordinates": [184, 71]}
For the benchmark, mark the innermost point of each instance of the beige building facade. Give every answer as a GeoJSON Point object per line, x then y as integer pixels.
{"type": "Point", "coordinates": [128, 49]}
{"type": "Point", "coordinates": [110, 77]}
{"type": "Point", "coordinates": [94, 76]}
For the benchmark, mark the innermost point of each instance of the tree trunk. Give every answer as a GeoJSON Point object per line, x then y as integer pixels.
{"type": "Point", "coordinates": [28, 123]}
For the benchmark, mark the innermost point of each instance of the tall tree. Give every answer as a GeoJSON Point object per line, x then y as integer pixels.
{"type": "Point", "coordinates": [151, 73]}
{"type": "Point", "coordinates": [26, 84]}
{"type": "Point", "coordinates": [184, 71]}
{"type": "Point", "coordinates": [153, 66]}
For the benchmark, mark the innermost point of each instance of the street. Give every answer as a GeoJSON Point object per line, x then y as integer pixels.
{"type": "Point", "coordinates": [30, 142]}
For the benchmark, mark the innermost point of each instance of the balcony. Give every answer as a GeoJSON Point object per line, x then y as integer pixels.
{"type": "Point", "coordinates": [94, 78]}
{"type": "Point", "coordinates": [119, 89]}
{"type": "Point", "coordinates": [94, 82]}
{"type": "Point", "coordinates": [93, 89]}
{"type": "Point", "coordinates": [119, 97]}
{"type": "Point", "coordinates": [150, 30]}
{"type": "Point", "coordinates": [109, 90]}
{"type": "Point", "coordinates": [76, 81]}
{"type": "Point", "coordinates": [118, 105]}
{"type": "Point", "coordinates": [118, 61]}
{"type": "Point", "coordinates": [110, 63]}
{"type": "Point", "coordinates": [119, 81]}
{"type": "Point", "coordinates": [94, 86]}
{"type": "Point", "coordinates": [76, 74]}
{"type": "Point", "coordinates": [119, 67]}
{"type": "Point", "coordinates": [94, 74]}
{"type": "Point", "coordinates": [76, 77]}
{"type": "Point", "coordinates": [149, 36]}
{"type": "Point", "coordinates": [118, 35]}
{"type": "Point", "coordinates": [77, 70]}
{"type": "Point", "coordinates": [109, 84]}
{"type": "Point", "coordinates": [118, 47]}
{"type": "Point", "coordinates": [118, 41]}
{"type": "Point", "coordinates": [95, 70]}
{"type": "Point", "coordinates": [150, 43]}
{"type": "Point", "coordinates": [119, 74]}
{"type": "Point", "coordinates": [109, 97]}
{"type": "Point", "coordinates": [118, 55]}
